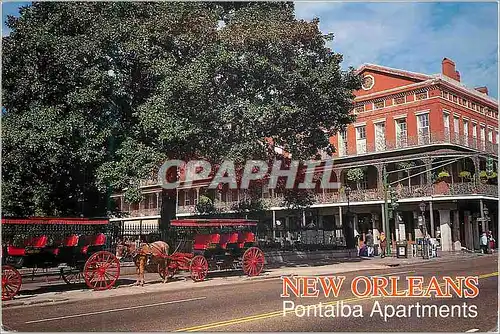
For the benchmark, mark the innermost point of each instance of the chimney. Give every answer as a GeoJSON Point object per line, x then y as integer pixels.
{"type": "Point", "coordinates": [483, 90]}
{"type": "Point", "coordinates": [458, 76]}
{"type": "Point", "coordinates": [448, 69]}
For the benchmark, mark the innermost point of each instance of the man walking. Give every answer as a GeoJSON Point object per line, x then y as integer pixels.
{"type": "Point", "coordinates": [369, 242]}
{"type": "Point", "coordinates": [483, 243]}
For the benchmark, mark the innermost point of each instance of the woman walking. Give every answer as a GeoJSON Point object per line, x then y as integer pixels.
{"type": "Point", "coordinates": [383, 244]}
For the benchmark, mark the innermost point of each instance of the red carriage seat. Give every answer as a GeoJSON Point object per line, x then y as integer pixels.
{"type": "Point", "coordinates": [245, 237]}
{"type": "Point", "coordinates": [70, 241]}
{"type": "Point", "coordinates": [203, 241]}
{"type": "Point", "coordinates": [35, 242]}
{"type": "Point", "coordinates": [229, 238]}
{"type": "Point", "coordinates": [94, 240]}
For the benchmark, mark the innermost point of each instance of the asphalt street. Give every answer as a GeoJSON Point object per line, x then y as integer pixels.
{"type": "Point", "coordinates": [257, 306]}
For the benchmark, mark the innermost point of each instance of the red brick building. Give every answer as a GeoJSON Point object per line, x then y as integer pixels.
{"type": "Point", "coordinates": [432, 134]}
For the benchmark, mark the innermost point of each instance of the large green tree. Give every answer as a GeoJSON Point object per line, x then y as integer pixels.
{"type": "Point", "coordinates": [99, 94]}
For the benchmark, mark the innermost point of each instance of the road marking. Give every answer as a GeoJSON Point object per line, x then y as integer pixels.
{"type": "Point", "coordinates": [391, 274]}
{"type": "Point", "coordinates": [114, 310]}
{"type": "Point", "coordinates": [472, 330]}
{"type": "Point", "coordinates": [277, 313]}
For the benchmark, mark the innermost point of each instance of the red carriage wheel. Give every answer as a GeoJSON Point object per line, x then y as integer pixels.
{"type": "Point", "coordinates": [198, 268]}
{"type": "Point", "coordinates": [101, 270]}
{"type": "Point", "coordinates": [11, 282]}
{"type": "Point", "coordinates": [253, 261]}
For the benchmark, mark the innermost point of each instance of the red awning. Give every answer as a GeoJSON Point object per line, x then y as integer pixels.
{"type": "Point", "coordinates": [55, 221]}
{"type": "Point", "coordinates": [212, 222]}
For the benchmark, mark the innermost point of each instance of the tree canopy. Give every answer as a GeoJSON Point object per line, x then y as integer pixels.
{"type": "Point", "coordinates": [99, 94]}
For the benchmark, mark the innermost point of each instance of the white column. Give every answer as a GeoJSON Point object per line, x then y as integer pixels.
{"type": "Point", "coordinates": [457, 245]}
{"type": "Point", "coordinates": [274, 225]}
{"type": "Point", "coordinates": [340, 217]}
{"type": "Point", "coordinates": [445, 228]}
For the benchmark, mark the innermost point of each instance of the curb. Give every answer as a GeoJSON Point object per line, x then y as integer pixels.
{"type": "Point", "coordinates": [34, 302]}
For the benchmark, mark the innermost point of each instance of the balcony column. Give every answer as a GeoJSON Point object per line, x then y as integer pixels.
{"type": "Point", "coordinates": [457, 245]}
{"type": "Point", "coordinates": [380, 177]}
{"type": "Point", "coordinates": [384, 223]}
{"type": "Point", "coordinates": [428, 166]}
{"type": "Point", "coordinates": [475, 234]}
{"type": "Point", "coordinates": [469, 244]}
{"type": "Point", "coordinates": [274, 225]}
{"type": "Point", "coordinates": [477, 167]}
{"type": "Point", "coordinates": [431, 216]}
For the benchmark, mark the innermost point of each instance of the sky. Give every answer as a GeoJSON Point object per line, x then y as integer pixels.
{"type": "Point", "coordinates": [410, 36]}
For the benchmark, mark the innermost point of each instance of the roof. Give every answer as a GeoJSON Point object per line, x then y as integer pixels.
{"type": "Point", "coordinates": [394, 71]}
{"type": "Point", "coordinates": [430, 79]}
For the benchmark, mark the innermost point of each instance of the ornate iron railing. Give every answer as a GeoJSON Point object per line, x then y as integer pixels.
{"type": "Point", "coordinates": [421, 139]}
{"type": "Point", "coordinates": [438, 189]}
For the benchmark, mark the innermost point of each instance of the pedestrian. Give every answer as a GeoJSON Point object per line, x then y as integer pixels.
{"type": "Point", "coordinates": [356, 240]}
{"type": "Point", "coordinates": [491, 241]}
{"type": "Point", "coordinates": [483, 243]}
{"type": "Point", "coordinates": [369, 242]}
{"type": "Point", "coordinates": [383, 244]}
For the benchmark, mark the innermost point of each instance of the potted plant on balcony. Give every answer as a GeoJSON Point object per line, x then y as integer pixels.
{"type": "Point", "coordinates": [441, 186]}
{"type": "Point", "coordinates": [443, 176]}
{"type": "Point", "coordinates": [356, 175]}
{"type": "Point", "coordinates": [465, 175]}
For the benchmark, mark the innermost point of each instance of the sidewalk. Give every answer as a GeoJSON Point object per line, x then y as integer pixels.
{"type": "Point", "coordinates": [54, 293]}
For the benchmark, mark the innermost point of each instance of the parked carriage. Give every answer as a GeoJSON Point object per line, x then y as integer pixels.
{"type": "Point", "coordinates": [205, 245]}
{"type": "Point", "coordinates": [74, 246]}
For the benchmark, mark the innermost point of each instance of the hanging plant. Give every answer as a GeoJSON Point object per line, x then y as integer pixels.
{"type": "Point", "coordinates": [465, 175]}
{"type": "Point", "coordinates": [443, 174]}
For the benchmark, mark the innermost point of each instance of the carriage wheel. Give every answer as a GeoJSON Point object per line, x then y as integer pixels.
{"type": "Point", "coordinates": [101, 270]}
{"type": "Point", "coordinates": [253, 261]}
{"type": "Point", "coordinates": [11, 282]}
{"type": "Point", "coordinates": [70, 276]}
{"type": "Point", "coordinates": [198, 268]}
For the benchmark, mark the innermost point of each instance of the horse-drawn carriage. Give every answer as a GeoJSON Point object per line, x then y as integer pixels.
{"type": "Point", "coordinates": [223, 244]}
{"type": "Point", "coordinates": [202, 245]}
{"type": "Point", "coordinates": [75, 247]}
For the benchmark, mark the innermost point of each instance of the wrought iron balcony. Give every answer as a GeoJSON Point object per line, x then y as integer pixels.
{"type": "Point", "coordinates": [403, 192]}
{"type": "Point", "coordinates": [421, 139]}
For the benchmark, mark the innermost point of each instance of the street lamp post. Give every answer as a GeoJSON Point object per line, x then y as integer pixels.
{"type": "Point", "coordinates": [425, 249]}
{"type": "Point", "coordinates": [486, 228]}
